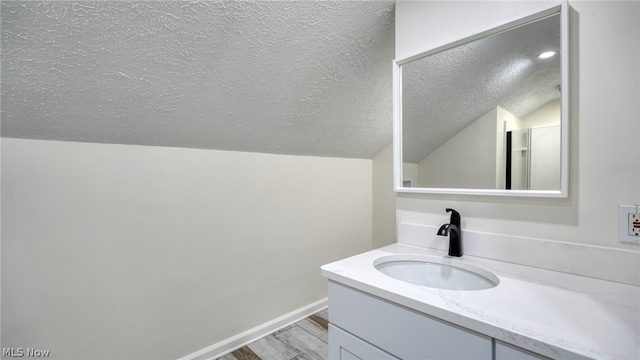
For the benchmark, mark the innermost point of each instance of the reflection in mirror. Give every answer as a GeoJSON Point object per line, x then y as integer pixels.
{"type": "Point", "coordinates": [485, 114]}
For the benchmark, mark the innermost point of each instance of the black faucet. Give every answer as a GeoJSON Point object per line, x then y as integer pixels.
{"type": "Point", "coordinates": [455, 233]}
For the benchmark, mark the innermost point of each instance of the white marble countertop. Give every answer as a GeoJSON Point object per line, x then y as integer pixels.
{"type": "Point", "coordinates": [551, 313]}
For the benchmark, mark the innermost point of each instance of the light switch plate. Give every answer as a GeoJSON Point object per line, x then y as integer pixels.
{"type": "Point", "coordinates": [627, 232]}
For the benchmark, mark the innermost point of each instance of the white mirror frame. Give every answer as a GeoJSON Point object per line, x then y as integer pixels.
{"type": "Point", "coordinates": [563, 192]}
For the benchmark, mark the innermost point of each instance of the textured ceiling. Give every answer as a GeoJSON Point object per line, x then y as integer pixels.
{"type": "Point", "coordinates": [303, 78]}
{"type": "Point", "coordinates": [445, 92]}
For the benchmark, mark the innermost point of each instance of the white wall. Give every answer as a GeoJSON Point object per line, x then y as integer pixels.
{"type": "Point", "coordinates": [410, 174]}
{"type": "Point", "coordinates": [466, 160]}
{"type": "Point", "coordinates": [604, 127]}
{"type": "Point", "coordinates": [116, 251]}
{"type": "Point", "coordinates": [546, 115]}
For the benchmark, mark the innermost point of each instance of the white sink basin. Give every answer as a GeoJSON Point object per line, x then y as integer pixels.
{"type": "Point", "coordinates": [436, 272]}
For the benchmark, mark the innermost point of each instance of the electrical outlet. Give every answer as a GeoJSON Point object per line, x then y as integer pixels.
{"type": "Point", "coordinates": [634, 224]}
{"type": "Point", "coordinates": [630, 224]}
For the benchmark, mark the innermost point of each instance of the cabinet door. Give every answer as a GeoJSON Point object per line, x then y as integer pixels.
{"type": "Point", "coordinates": [506, 351]}
{"type": "Point", "coordinates": [344, 346]}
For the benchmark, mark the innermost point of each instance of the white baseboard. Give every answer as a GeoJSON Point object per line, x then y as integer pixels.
{"type": "Point", "coordinates": [237, 341]}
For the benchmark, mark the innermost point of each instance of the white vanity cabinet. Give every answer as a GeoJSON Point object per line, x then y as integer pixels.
{"type": "Point", "coordinates": [533, 313]}
{"type": "Point", "coordinates": [345, 346]}
{"type": "Point", "coordinates": [506, 351]}
{"type": "Point", "coordinates": [367, 327]}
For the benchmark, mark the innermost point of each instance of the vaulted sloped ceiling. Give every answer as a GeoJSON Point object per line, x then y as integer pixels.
{"type": "Point", "coordinates": [301, 77]}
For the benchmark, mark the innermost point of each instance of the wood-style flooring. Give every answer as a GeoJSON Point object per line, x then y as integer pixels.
{"type": "Point", "coordinates": [304, 340]}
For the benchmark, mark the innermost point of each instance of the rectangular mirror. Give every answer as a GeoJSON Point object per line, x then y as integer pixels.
{"type": "Point", "coordinates": [487, 114]}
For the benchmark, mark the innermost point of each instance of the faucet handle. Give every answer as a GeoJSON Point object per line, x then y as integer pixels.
{"type": "Point", "coordinates": [455, 217]}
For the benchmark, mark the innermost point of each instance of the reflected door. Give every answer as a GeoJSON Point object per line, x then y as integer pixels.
{"type": "Point", "coordinates": [545, 162]}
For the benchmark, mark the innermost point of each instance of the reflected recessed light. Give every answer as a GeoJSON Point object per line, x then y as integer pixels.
{"type": "Point", "coordinates": [546, 54]}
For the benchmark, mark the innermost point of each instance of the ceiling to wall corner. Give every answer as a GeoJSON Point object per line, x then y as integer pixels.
{"type": "Point", "coordinates": [284, 77]}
